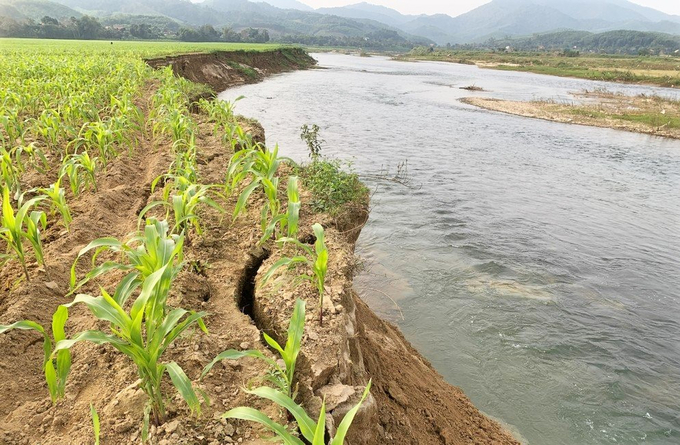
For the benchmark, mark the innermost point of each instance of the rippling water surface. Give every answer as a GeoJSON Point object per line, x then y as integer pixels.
{"type": "Point", "coordinates": [536, 264]}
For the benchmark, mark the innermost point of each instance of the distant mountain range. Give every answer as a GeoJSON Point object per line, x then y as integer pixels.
{"type": "Point", "coordinates": [498, 19]}
{"type": "Point", "coordinates": [34, 9]}
{"type": "Point", "coordinates": [233, 13]}
{"type": "Point", "coordinates": [507, 18]}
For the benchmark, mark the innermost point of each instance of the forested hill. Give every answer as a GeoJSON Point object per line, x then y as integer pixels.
{"type": "Point", "coordinates": [512, 18]}
{"type": "Point", "coordinates": [612, 42]}
{"type": "Point", "coordinates": [212, 20]}
{"type": "Point", "coordinates": [613, 26]}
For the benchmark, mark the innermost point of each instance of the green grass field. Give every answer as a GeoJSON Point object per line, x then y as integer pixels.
{"type": "Point", "coordinates": [143, 49]}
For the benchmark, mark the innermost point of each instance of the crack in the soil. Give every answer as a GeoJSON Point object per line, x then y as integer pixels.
{"type": "Point", "coordinates": [245, 288]}
{"type": "Point", "coordinates": [143, 200]}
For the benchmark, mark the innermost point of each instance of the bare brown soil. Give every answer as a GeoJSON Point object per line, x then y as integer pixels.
{"type": "Point", "coordinates": [409, 404]}
{"type": "Point", "coordinates": [639, 114]}
{"type": "Point", "coordinates": [225, 69]}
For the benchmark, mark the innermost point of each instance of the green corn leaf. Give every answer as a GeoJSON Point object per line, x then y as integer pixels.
{"type": "Point", "coordinates": [346, 422]}
{"type": "Point", "coordinates": [269, 231]}
{"type": "Point", "coordinates": [243, 198]}
{"type": "Point", "coordinates": [148, 287]}
{"type": "Point", "coordinates": [23, 325]}
{"type": "Point", "coordinates": [320, 244]}
{"type": "Point", "coordinates": [306, 424]}
{"type": "Point", "coordinates": [194, 317]}
{"type": "Point", "coordinates": [96, 337]}
{"type": "Point", "coordinates": [251, 414]}
{"type": "Point", "coordinates": [287, 262]}
{"type": "Point", "coordinates": [126, 288]}
{"type": "Point", "coordinates": [52, 380]}
{"type": "Point", "coordinates": [296, 330]}
{"type": "Point", "coordinates": [148, 207]}
{"type": "Point", "coordinates": [95, 424]}
{"type": "Point", "coordinates": [97, 245]}
{"type": "Point", "coordinates": [273, 343]}
{"type": "Point", "coordinates": [233, 354]}
{"type": "Point", "coordinates": [320, 431]}
{"type": "Point", "coordinates": [103, 309]}
{"type": "Point", "coordinates": [183, 385]}
{"type": "Point", "coordinates": [63, 357]}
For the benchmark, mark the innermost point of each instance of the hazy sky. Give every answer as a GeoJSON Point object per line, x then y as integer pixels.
{"type": "Point", "coordinates": [457, 7]}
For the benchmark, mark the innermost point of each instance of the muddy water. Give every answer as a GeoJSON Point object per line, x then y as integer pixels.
{"type": "Point", "coordinates": [536, 264]}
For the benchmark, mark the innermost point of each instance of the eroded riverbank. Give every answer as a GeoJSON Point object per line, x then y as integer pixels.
{"type": "Point", "coordinates": [532, 262]}
{"type": "Point", "coordinates": [409, 403]}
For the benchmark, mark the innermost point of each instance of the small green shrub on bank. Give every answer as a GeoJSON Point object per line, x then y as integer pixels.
{"type": "Point", "coordinates": [331, 186]}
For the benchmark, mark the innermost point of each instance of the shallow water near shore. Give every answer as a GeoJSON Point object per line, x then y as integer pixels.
{"type": "Point", "coordinates": [535, 264]}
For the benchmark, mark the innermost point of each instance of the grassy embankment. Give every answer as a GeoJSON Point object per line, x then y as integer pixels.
{"type": "Point", "coordinates": [139, 49]}
{"type": "Point", "coordinates": [653, 70]}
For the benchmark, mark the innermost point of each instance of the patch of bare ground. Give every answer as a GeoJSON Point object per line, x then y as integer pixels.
{"type": "Point", "coordinates": [640, 114]}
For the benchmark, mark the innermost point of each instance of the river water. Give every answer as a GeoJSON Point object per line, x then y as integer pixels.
{"type": "Point", "coordinates": [535, 264]}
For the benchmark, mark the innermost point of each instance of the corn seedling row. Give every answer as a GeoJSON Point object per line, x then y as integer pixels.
{"type": "Point", "coordinates": [55, 111]}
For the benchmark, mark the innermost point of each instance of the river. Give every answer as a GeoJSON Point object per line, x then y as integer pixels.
{"type": "Point", "coordinates": [535, 264]}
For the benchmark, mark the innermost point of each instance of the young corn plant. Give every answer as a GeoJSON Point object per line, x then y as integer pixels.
{"type": "Point", "coordinates": [104, 136]}
{"type": "Point", "coordinates": [49, 126]}
{"type": "Point", "coordinates": [55, 366]}
{"type": "Point", "coordinates": [14, 125]}
{"type": "Point", "coordinates": [10, 172]}
{"type": "Point", "coordinates": [236, 137]}
{"type": "Point", "coordinates": [317, 259]}
{"type": "Point", "coordinates": [261, 166]}
{"type": "Point", "coordinates": [184, 164]}
{"type": "Point", "coordinates": [80, 169]}
{"type": "Point", "coordinates": [12, 229]}
{"type": "Point", "coordinates": [95, 424]}
{"type": "Point", "coordinates": [129, 114]}
{"type": "Point", "coordinates": [57, 200]}
{"type": "Point", "coordinates": [184, 205]}
{"type": "Point", "coordinates": [239, 170]}
{"type": "Point", "coordinates": [36, 157]}
{"type": "Point", "coordinates": [143, 334]}
{"type": "Point", "coordinates": [147, 252]}
{"type": "Point", "coordinates": [281, 378]}
{"type": "Point", "coordinates": [313, 432]}
{"type": "Point", "coordinates": [288, 222]}
{"type": "Point", "coordinates": [220, 113]}
{"type": "Point", "coordinates": [271, 207]}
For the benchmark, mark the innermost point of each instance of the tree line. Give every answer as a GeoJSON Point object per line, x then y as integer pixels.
{"type": "Point", "coordinates": [154, 28]}
{"type": "Point", "coordinates": [611, 42]}
{"type": "Point", "coordinates": [90, 28]}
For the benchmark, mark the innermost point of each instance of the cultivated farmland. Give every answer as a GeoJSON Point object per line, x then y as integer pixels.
{"type": "Point", "coordinates": [169, 278]}
{"type": "Point", "coordinates": [131, 205]}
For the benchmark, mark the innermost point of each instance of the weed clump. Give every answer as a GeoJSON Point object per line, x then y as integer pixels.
{"type": "Point", "coordinates": [331, 185]}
